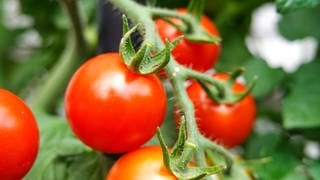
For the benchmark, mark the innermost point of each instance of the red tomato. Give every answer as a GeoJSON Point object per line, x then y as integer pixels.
{"type": "Point", "coordinates": [112, 109]}
{"type": "Point", "coordinates": [228, 124]}
{"type": "Point", "coordinates": [19, 137]}
{"type": "Point", "coordinates": [145, 163]}
{"type": "Point", "coordinates": [198, 56]}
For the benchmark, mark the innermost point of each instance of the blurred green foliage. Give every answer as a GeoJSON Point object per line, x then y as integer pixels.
{"type": "Point", "coordinates": [291, 5]}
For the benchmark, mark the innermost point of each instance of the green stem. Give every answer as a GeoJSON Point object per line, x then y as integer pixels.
{"type": "Point", "coordinates": [177, 75]}
{"type": "Point", "coordinates": [196, 7]}
{"type": "Point", "coordinates": [206, 143]}
{"type": "Point", "coordinates": [201, 160]}
{"type": "Point", "coordinates": [211, 156]}
{"type": "Point", "coordinates": [142, 15]}
{"type": "Point", "coordinates": [177, 78]}
{"type": "Point", "coordinates": [62, 71]}
{"type": "Point", "coordinates": [137, 13]}
{"type": "Point", "coordinates": [160, 12]}
{"type": "Point", "coordinates": [190, 25]}
{"type": "Point", "coordinates": [188, 21]}
{"type": "Point", "coordinates": [205, 78]}
{"type": "Point", "coordinates": [72, 10]}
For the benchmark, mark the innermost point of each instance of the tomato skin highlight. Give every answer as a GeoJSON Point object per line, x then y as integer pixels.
{"type": "Point", "coordinates": [198, 56]}
{"type": "Point", "coordinates": [145, 163]}
{"type": "Point", "coordinates": [19, 137]}
{"type": "Point", "coordinates": [112, 109]}
{"type": "Point", "coordinates": [229, 125]}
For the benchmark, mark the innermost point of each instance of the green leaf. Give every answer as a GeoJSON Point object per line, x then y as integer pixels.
{"type": "Point", "coordinates": [265, 132]}
{"type": "Point", "coordinates": [282, 166]}
{"type": "Point", "coordinates": [284, 6]}
{"type": "Point", "coordinates": [268, 78]}
{"type": "Point", "coordinates": [90, 166]}
{"type": "Point", "coordinates": [301, 104]}
{"type": "Point", "coordinates": [291, 26]}
{"type": "Point", "coordinates": [61, 152]}
{"type": "Point", "coordinates": [56, 134]}
{"type": "Point", "coordinates": [272, 154]}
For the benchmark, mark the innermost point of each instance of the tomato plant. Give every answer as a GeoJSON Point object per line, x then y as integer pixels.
{"type": "Point", "coordinates": [196, 55]}
{"type": "Point", "coordinates": [112, 109]}
{"type": "Point", "coordinates": [141, 164]}
{"type": "Point", "coordinates": [230, 125]}
{"type": "Point", "coordinates": [44, 44]}
{"type": "Point", "coordinates": [19, 137]}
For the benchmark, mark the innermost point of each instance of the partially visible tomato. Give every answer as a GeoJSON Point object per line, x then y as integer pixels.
{"type": "Point", "coordinates": [19, 137]}
{"type": "Point", "coordinates": [228, 124]}
{"type": "Point", "coordinates": [112, 109]}
{"type": "Point", "coordinates": [145, 163]}
{"type": "Point", "coordinates": [198, 56]}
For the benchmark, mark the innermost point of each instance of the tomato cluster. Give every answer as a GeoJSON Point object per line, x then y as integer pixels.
{"type": "Point", "coordinates": [114, 110]}
{"type": "Point", "coordinates": [19, 137]}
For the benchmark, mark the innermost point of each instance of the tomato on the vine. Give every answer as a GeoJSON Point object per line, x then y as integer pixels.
{"type": "Point", "coordinates": [228, 124]}
{"type": "Point", "coordinates": [197, 55]}
{"type": "Point", "coordinates": [19, 137]}
{"type": "Point", "coordinates": [112, 109]}
{"type": "Point", "coordinates": [145, 163]}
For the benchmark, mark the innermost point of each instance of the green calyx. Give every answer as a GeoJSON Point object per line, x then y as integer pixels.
{"type": "Point", "coordinates": [195, 8]}
{"type": "Point", "coordinates": [226, 95]}
{"type": "Point", "coordinates": [190, 25]}
{"type": "Point", "coordinates": [177, 159]}
{"type": "Point", "coordinates": [146, 60]}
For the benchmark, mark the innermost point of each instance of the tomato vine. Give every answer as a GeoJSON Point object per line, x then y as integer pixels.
{"type": "Point", "coordinates": [152, 50]}
{"type": "Point", "coordinates": [205, 128]}
{"type": "Point", "coordinates": [191, 145]}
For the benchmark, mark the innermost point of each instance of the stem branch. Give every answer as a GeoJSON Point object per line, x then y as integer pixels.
{"type": "Point", "coordinates": [206, 143]}
{"type": "Point", "coordinates": [62, 71]}
{"type": "Point", "coordinates": [186, 107]}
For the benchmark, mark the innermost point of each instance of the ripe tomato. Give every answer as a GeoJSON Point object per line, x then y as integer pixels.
{"type": "Point", "coordinates": [19, 137]}
{"type": "Point", "coordinates": [228, 124]}
{"type": "Point", "coordinates": [112, 109]}
{"type": "Point", "coordinates": [145, 163]}
{"type": "Point", "coordinates": [198, 56]}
